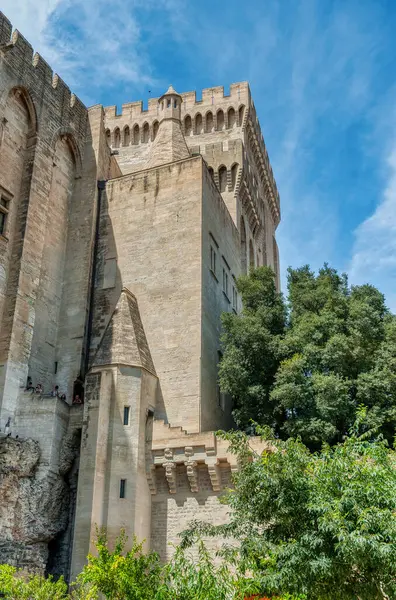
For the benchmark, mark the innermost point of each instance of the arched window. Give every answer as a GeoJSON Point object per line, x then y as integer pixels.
{"type": "Point", "coordinates": [175, 104]}
{"type": "Point", "coordinates": [211, 172]}
{"type": "Point", "coordinates": [198, 124]}
{"type": "Point", "coordinates": [108, 136]}
{"type": "Point", "coordinates": [220, 120]}
{"type": "Point", "coordinates": [234, 175]}
{"type": "Point", "coordinates": [136, 135]}
{"type": "Point", "coordinates": [209, 122]}
{"type": "Point", "coordinates": [222, 178]}
{"type": "Point", "coordinates": [117, 138]}
{"type": "Point", "coordinates": [231, 118]}
{"type": "Point", "coordinates": [242, 234]}
{"type": "Point", "coordinates": [187, 125]}
{"type": "Point", "coordinates": [241, 112]}
{"type": "Point", "coordinates": [127, 136]}
{"type": "Point", "coordinates": [155, 129]}
{"type": "Point", "coordinates": [251, 255]}
{"type": "Point", "coordinates": [145, 133]}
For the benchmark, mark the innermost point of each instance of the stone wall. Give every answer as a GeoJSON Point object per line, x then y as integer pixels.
{"type": "Point", "coordinates": [150, 242]}
{"type": "Point", "coordinates": [172, 513]}
{"type": "Point", "coordinates": [33, 169]}
{"type": "Point", "coordinates": [34, 509]}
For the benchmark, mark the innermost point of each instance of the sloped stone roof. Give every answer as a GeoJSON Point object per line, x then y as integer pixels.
{"type": "Point", "coordinates": [124, 340]}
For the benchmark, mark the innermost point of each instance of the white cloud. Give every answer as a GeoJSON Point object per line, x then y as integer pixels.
{"type": "Point", "coordinates": [90, 44]}
{"type": "Point", "coordinates": [374, 251]}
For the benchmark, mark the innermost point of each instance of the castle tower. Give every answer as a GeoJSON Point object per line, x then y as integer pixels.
{"type": "Point", "coordinates": [113, 491]}
{"type": "Point", "coordinates": [169, 144]}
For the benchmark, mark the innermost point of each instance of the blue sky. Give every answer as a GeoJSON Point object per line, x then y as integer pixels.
{"type": "Point", "coordinates": [323, 79]}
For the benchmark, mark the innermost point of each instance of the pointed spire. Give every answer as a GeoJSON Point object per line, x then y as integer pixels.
{"type": "Point", "coordinates": [124, 340]}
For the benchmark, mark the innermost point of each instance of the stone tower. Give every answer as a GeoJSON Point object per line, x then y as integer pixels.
{"type": "Point", "coordinates": [121, 237]}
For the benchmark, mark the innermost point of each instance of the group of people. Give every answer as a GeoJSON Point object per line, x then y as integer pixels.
{"type": "Point", "coordinates": [55, 393]}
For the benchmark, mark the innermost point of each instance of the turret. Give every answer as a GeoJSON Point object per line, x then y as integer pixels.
{"type": "Point", "coordinates": [169, 144]}
{"type": "Point", "coordinates": [170, 105]}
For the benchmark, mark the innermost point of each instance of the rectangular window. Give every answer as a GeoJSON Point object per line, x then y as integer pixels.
{"type": "Point", "coordinates": [122, 488]}
{"type": "Point", "coordinates": [4, 208]}
{"type": "Point", "coordinates": [234, 298]}
{"type": "Point", "coordinates": [225, 282]}
{"type": "Point", "coordinates": [213, 260]}
{"type": "Point", "coordinates": [126, 415]}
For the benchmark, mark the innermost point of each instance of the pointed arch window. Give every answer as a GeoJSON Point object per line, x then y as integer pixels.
{"type": "Point", "coordinates": [222, 178]}
{"type": "Point", "coordinates": [127, 136]}
{"type": "Point", "coordinates": [198, 124]}
{"type": "Point", "coordinates": [187, 125]}
{"type": "Point", "coordinates": [155, 129]}
{"type": "Point", "coordinates": [231, 118]}
{"type": "Point", "coordinates": [234, 175]}
{"type": "Point", "coordinates": [145, 133]}
{"type": "Point", "coordinates": [209, 122]}
{"type": "Point", "coordinates": [241, 112]}
{"type": "Point", "coordinates": [117, 138]}
{"type": "Point", "coordinates": [136, 135]}
{"type": "Point", "coordinates": [220, 120]}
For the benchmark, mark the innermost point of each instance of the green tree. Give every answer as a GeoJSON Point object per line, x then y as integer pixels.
{"type": "Point", "coordinates": [322, 524]}
{"type": "Point", "coordinates": [17, 585]}
{"type": "Point", "coordinates": [305, 373]}
{"type": "Point", "coordinates": [252, 350]}
{"type": "Point", "coordinates": [120, 575]}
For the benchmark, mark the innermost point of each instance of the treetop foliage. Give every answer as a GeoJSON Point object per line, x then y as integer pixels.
{"type": "Point", "coordinates": [304, 366]}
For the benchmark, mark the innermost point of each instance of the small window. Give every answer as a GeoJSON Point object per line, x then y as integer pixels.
{"type": "Point", "coordinates": [122, 488]}
{"type": "Point", "coordinates": [169, 104]}
{"type": "Point", "coordinates": [213, 260]}
{"type": "Point", "coordinates": [175, 104]}
{"type": "Point", "coordinates": [4, 208]}
{"type": "Point", "coordinates": [234, 298]}
{"type": "Point", "coordinates": [126, 414]}
{"type": "Point", "coordinates": [225, 282]}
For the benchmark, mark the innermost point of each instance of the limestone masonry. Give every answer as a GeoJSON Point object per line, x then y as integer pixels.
{"type": "Point", "coordinates": [121, 236]}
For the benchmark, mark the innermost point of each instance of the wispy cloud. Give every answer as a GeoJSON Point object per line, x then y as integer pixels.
{"type": "Point", "coordinates": [316, 68]}
{"type": "Point", "coordinates": [374, 250]}
{"type": "Point", "coordinates": [92, 45]}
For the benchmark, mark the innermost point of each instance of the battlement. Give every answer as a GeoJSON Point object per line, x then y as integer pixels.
{"type": "Point", "coordinates": [18, 50]}
{"type": "Point", "coordinates": [239, 92]}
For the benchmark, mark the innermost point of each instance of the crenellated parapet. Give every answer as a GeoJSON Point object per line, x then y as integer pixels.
{"type": "Point", "coordinates": [31, 71]}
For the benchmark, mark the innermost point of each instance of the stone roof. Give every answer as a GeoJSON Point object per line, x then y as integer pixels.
{"type": "Point", "coordinates": [169, 144]}
{"type": "Point", "coordinates": [124, 340]}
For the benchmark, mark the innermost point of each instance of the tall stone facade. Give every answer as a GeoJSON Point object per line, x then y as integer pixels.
{"type": "Point", "coordinates": [121, 237]}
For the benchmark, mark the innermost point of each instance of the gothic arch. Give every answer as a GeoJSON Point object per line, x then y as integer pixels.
{"type": "Point", "coordinates": [222, 178]}
{"type": "Point", "coordinates": [198, 123]}
{"type": "Point", "coordinates": [145, 133]}
{"type": "Point", "coordinates": [241, 112]}
{"type": "Point", "coordinates": [234, 175]}
{"type": "Point", "coordinates": [66, 132]}
{"type": "Point", "coordinates": [155, 129]}
{"type": "Point", "coordinates": [126, 136]}
{"type": "Point", "coordinates": [220, 120]}
{"type": "Point", "coordinates": [209, 122]}
{"type": "Point", "coordinates": [136, 135]}
{"type": "Point", "coordinates": [108, 137]}
{"type": "Point", "coordinates": [187, 125]}
{"type": "Point", "coordinates": [231, 118]}
{"type": "Point", "coordinates": [117, 137]}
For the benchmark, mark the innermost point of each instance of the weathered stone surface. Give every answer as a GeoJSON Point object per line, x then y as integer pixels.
{"type": "Point", "coordinates": [123, 237]}
{"type": "Point", "coordinates": [32, 511]}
